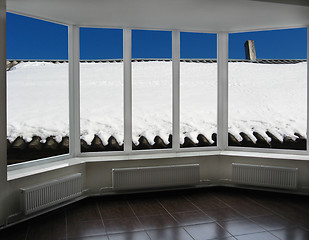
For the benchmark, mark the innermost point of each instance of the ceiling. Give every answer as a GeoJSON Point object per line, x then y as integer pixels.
{"type": "Point", "coordinates": [186, 15]}
{"type": "Point", "coordinates": [295, 2]}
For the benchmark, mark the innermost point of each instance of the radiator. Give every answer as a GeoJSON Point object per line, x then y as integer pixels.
{"type": "Point", "coordinates": [38, 197]}
{"type": "Point", "coordinates": [157, 176]}
{"type": "Point", "coordinates": [266, 176]}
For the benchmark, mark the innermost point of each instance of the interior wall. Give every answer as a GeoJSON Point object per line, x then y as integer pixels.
{"type": "Point", "coordinates": [14, 196]}
{"type": "Point", "coordinates": [225, 169]}
{"type": "Point", "coordinates": [100, 173]}
{"type": "Point", "coordinates": [214, 170]}
{"type": "Point", "coordinates": [3, 171]}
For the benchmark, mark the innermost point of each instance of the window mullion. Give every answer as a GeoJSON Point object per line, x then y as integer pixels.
{"type": "Point", "coordinates": [127, 78]}
{"type": "Point", "coordinates": [222, 137]}
{"type": "Point", "coordinates": [74, 90]}
{"type": "Point", "coordinates": [176, 90]}
{"type": "Point", "coordinates": [307, 88]}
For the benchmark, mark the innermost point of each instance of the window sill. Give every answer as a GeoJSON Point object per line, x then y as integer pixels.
{"type": "Point", "coordinates": [287, 156]}
{"type": "Point", "coordinates": [25, 170]}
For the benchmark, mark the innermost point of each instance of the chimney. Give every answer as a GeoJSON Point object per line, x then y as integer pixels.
{"type": "Point", "coordinates": [250, 50]}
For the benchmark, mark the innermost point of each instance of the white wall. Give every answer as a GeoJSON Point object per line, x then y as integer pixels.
{"type": "Point", "coordinates": [98, 175]}
{"type": "Point", "coordinates": [3, 172]}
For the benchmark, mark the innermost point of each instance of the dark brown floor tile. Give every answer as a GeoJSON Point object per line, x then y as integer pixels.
{"type": "Point", "coordinates": [223, 214]}
{"type": "Point", "coordinates": [247, 204]}
{"type": "Point", "coordinates": [129, 236]}
{"type": "Point", "coordinates": [158, 221]}
{"type": "Point", "coordinates": [252, 211]}
{"type": "Point", "coordinates": [240, 227]}
{"type": "Point", "coordinates": [257, 236]}
{"type": "Point", "coordinates": [17, 232]}
{"type": "Point", "coordinates": [232, 197]}
{"type": "Point", "coordinates": [115, 209]}
{"type": "Point", "coordinates": [299, 217]}
{"type": "Point", "coordinates": [291, 233]}
{"type": "Point", "coordinates": [85, 210]}
{"type": "Point", "coordinates": [284, 215]}
{"type": "Point", "coordinates": [205, 200]}
{"type": "Point", "coordinates": [50, 226]}
{"type": "Point", "coordinates": [306, 227]}
{"type": "Point", "coordinates": [275, 205]}
{"type": "Point", "coordinates": [190, 218]}
{"type": "Point", "coordinates": [77, 229]}
{"type": "Point", "coordinates": [177, 204]}
{"type": "Point", "coordinates": [207, 231]}
{"type": "Point", "coordinates": [223, 238]}
{"type": "Point", "coordinates": [169, 234]}
{"type": "Point", "coordinates": [121, 225]}
{"type": "Point", "coordinates": [300, 202]}
{"type": "Point", "coordinates": [99, 237]}
{"type": "Point", "coordinates": [272, 222]}
{"type": "Point", "coordinates": [147, 207]}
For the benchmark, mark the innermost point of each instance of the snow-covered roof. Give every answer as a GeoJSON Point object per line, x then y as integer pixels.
{"type": "Point", "coordinates": [261, 112]}
{"type": "Point", "coordinates": [11, 63]}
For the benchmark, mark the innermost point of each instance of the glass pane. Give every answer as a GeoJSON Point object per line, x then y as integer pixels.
{"type": "Point", "coordinates": [152, 89]}
{"type": "Point", "coordinates": [101, 79]}
{"type": "Point", "coordinates": [198, 89]}
{"type": "Point", "coordinates": [37, 89]}
{"type": "Point", "coordinates": [267, 96]}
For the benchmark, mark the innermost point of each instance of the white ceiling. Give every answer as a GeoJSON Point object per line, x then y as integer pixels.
{"type": "Point", "coordinates": [190, 15]}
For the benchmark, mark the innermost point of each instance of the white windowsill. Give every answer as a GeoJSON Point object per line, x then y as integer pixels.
{"type": "Point", "coordinates": [24, 170]}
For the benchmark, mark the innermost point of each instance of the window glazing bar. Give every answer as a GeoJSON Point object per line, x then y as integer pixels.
{"type": "Point", "coordinates": [222, 128]}
{"type": "Point", "coordinates": [307, 88]}
{"type": "Point", "coordinates": [74, 91]}
{"type": "Point", "coordinates": [176, 90]}
{"type": "Point", "coordinates": [127, 78]}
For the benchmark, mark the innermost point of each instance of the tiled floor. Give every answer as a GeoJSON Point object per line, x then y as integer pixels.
{"type": "Point", "coordinates": [210, 213]}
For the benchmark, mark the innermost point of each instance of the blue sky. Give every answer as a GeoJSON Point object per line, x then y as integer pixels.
{"type": "Point", "coordinates": [29, 38]}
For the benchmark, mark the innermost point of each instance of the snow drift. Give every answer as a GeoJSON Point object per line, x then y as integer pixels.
{"type": "Point", "coordinates": [262, 98]}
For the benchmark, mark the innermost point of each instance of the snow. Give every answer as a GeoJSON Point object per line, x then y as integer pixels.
{"type": "Point", "coordinates": [267, 97]}
{"type": "Point", "coordinates": [262, 97]}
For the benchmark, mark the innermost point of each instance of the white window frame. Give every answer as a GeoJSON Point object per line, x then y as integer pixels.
{"type": "Point", "coordinates": [222, 102]}
{"type": "Point", "coordinates": [273, 150]}
{"type": "Point", "coordinates": [127, 57]}
{"type": "Point", "coordinates": [61, 157]}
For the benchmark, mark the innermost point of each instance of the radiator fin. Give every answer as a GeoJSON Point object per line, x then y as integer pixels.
{"type": "Point", "coordinates": [266, 176]}
{"type": "Point", "coordinates": [152, 177]}
{"type": "Point", "coordinates": [47, 194]}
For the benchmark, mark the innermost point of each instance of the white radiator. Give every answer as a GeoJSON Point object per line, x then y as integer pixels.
{"type": "Point", "coordinates": [157, 176]}
{"type": "Point", "coordinates": [266, 176]}
{"type": "Point", "coordinates": [47, 194]}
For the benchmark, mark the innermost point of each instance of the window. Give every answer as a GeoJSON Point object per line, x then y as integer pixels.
{"type": "Point", "coordinates": [267, 95]}
{"type": "Point", "coordinates": [198, 89]}
{"type": "Point", "coordinates": [101, 79]}
{"type": "Point", "coordinates": [37, 89]}
{"type": "Point", "coordinates": [152, 89]}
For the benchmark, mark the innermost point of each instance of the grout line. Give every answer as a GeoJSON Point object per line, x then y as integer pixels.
{"type": "Point", "coordinates": [98, 209]}
{"type": "Point", "coordinates": [137, 218]}
{"type": "Point", "coordinates": [214, 221]}
{"type": "Point", "coordinates": [27, 231]}
{"type": "Point", "coordinates": [274, 234]}
{"type": "Point", "coordinates": [183, 227]}
{"type": "Point", "coordinates": [249, 218]}
{"type": "Point", "coordinates": [66, 223]}
{"type": "Point", "coordinates": [244, 217]}
{"type": "Point", "coordinates": [272, 211]}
